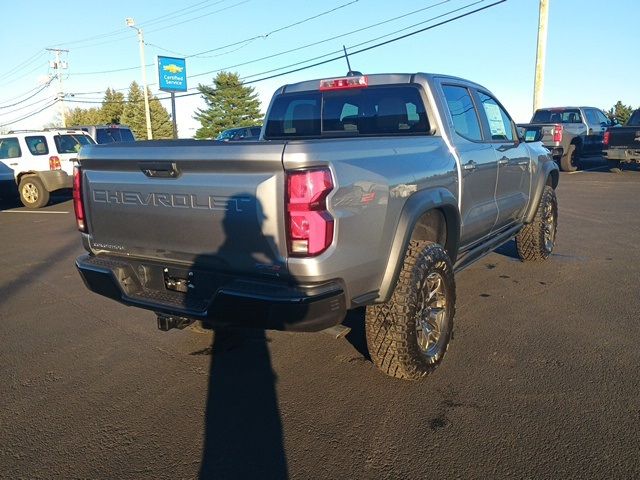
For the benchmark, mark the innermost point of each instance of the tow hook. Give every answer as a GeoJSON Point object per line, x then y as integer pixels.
{"type": "Point", "coordinates": [167, 322]}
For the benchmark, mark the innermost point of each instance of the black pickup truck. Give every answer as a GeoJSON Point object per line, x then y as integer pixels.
{"type": "Point", "coordinates": [622, 144]}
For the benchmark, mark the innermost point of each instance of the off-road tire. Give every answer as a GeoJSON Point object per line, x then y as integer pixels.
{"type": "Point", "coordinates": [391, 327]}
{"type": "Point", "coordinates": [570, 161]}
{"type": "Point", "coordinates": [200, 327]}
{"type": "Point", "coordinates": [531, 242]}
{"type": "Point", "coordinates": [33, 195]}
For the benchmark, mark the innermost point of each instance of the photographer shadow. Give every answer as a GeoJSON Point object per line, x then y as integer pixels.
{"type": "Point", "coordinates": [243, 436]}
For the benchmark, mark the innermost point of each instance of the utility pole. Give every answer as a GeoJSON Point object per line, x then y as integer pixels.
{"type": "Point", "coordinates": [59, 65]}
{"type": "Point", "coordinates": [131, 23]}
{"type": "Point", "coordinates": [538, 83]}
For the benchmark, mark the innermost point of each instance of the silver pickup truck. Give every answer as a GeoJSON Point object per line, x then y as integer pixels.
{"type": "Point", "coordinates": [363, 191]}
{"type": "Point", "coordinates": [570, 133]}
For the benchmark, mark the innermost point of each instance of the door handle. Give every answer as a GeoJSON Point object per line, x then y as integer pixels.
{"type": "Point", "coordinates": [503, 161]}
{"type": "Point", "coordinates": [524, 162]}
{"type": "Point", "coordinates": [470, 165]}
{"type": "Point", "coordinates": [13, 164]}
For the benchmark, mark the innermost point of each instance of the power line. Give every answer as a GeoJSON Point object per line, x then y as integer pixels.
{"type": "Point", "coordinates": [39, 101]}
{"type": "Point", "coordinates": [174, 16]}
{"type": "Point", "coordinates": [286, 27]}
{"type": "Point", "coordinates": [362, 50]}
{"type": "Point", "coordinates": [29, 115]}
{"type": "Point", "coordinates": [339, 51]}
{"type": "Point", "coordinates": [24, 64]}
{"type": "Point", "coordinates": [30, 96]}
{"type": "Point", "coordinates": [26, 74]}
{"type": "Point", "coordinates": [109, 42]}
{"type": "Point", "coordinates": [21, 95]}
{"type": "Point", "coordinates": [313, 44]}
{"type": "Point", "coordinates": [244, 41]}
{"type": "Point", "coordinates": [124, 30]}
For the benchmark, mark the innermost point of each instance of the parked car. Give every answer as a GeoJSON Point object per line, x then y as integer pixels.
{"type": "Point", "coordinates": [366, 191]}
{"type": "Point", "coordinates": [8, 187]}
{"type": "Point", "coordinates": [622, 144]}
{"type": "Point", "coordinates": [244, 134]}
{"type": "Point", "coordinates": [569, 132]}
{"type": "Point", "coordinates": [41, 161]}
{"type": "Point", "coordinates": [108, 133]}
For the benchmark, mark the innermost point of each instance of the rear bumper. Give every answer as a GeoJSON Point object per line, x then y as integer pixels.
{"type": "Point", "coordinates": [556, 152]}
{"type": "Point", "coordinates": [55, 180]}
{"type": "Point", "coordinates": [219, 299]}
{"type": "Point", "coordinates": [622, 154]}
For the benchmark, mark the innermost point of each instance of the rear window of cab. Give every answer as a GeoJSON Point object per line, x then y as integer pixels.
{"type": "Point", "coordinates": [369, 111]}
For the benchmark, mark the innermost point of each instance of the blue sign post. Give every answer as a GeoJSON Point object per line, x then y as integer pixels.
{"type": "Point", "coordinates": [172, 77]}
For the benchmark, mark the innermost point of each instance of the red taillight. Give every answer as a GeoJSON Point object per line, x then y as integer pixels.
{"type": "Point", "coordinates": [78, 203]}
{"type": "Point", "coordinates": [557, 133]}
{"type": "Point", "coordinates": [310, 226]}
{"type": "Point", "coordinates": [54, 163]}
{"type": "Point", "coordinates": [607, 135]}
{"type": "Point", "coordinates": [344, 82]}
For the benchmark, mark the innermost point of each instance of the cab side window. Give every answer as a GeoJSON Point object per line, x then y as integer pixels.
{"type": "Point", "coordinates": [463, 112]}
{"type": "Point", "coordinates": [9, 148]}
{"type": "Point", "coordinates": [37, 145]}
{"type": "Point", "coordinates": [592, 119]}
{"type": "Point", "coordinates": [602, 118]}
{"type": "Point", "coordinates": [500, 125]}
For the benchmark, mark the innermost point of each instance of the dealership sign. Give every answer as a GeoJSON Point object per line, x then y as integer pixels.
{"type": "Point", "coordinates": [172, 74]}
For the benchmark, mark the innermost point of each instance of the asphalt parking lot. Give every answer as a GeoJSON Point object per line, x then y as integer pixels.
{"type": "Point", "coordinates": [541, 380]}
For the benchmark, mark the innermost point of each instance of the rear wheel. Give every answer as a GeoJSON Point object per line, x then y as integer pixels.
{"type": "Point", "coordinates": [536, 240]}
{"type": "Point", "coordinates": [409, 335]}
{"type": "Point", "coordinates": [32, 192]}
{"type": "Point", "coordinates": [570, 161]}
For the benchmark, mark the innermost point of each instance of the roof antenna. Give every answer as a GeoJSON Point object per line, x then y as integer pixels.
{"type": "Point", "coordinates": [350, 73]}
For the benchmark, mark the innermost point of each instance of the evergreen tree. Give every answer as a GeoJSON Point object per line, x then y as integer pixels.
{"type": "Point", "coordinates": [621, 112]}
{"type": "Point", "coordinates": [229, 104]}
{"type": "Point", "coordinates": [112, 106]}
{"type": "Point", "coordinates": [133, 112]}
{"type": "Point", "coordinates": [83, 116]}
{"type": "Point", "coordinates": [161, 124]}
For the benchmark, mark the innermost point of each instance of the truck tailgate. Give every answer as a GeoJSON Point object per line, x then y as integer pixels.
{"type": "Point", "coordinates": [195, 203]}
{"type": "Point", "coordinates": [626, 137]}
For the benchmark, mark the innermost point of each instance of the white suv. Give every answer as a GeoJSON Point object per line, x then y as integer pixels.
{"type": "Point", "coordinates": [42, 161]}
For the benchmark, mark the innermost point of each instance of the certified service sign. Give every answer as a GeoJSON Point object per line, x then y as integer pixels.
{"type": "Point", "coordinates": [172, 74]}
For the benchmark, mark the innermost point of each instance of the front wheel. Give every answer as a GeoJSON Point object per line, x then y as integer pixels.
{"type": "Point", "coordinates": [32, 192]}
{"type": "Point", "coordinates": [536, 240]}
{"type": "Point", "coordinates": [408, 336]}
{"type": "Point", "coordinates": [570, 161]}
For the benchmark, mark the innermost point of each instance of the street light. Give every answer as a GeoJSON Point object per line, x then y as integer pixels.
{"type": "Point", "coordinates": [132, 24]}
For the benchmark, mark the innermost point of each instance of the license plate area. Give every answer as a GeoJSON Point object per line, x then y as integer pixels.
{"type": "Point", "coordinates": [178, 280]}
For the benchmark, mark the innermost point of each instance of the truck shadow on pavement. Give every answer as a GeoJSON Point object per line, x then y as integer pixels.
{"type": "Point", "coordinates": [243, 436]}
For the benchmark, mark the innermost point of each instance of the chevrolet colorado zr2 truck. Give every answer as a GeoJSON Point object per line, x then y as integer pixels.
{"type": "Point", "coordinates": [363, 191]}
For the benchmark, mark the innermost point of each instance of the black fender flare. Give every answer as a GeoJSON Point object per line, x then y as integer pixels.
{"type": "Point", "coordinates": [547, 169]}
{"type": "Point", "coordinates": [414, 208]}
